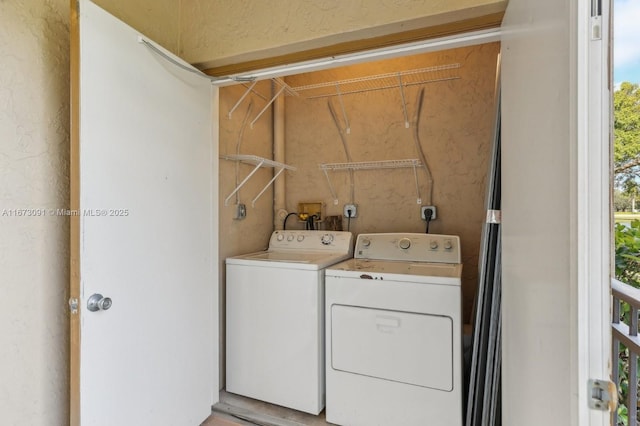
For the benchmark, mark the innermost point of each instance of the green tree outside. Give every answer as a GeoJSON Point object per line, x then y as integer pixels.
{"type": "Point", "coordinates": [626, 128]}
{"type": "Point", "coordinates": [626, 112]}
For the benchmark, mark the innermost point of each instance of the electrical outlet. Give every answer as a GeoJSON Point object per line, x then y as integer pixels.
{"type": "Point", "coordinates": [241, 211]}
{"type": "Point", "coordinates": [424, 209]}
{"type": "Point", "coordinates": [350, 208]}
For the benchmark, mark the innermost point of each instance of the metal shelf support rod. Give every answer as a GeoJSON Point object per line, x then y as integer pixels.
{"type": "Point", "coordinates": [226, 200]}
{"type": "Point", "coordinates": [253, 202]}
{"type": "Point", "coordinates": [268, 105]}
{"type": "Point", "coordinates": [404, 102]}
{"type": "Point", "coordinates": [415, 175]}
{"type": "Point", "coordinates": [344, 112]}
{"type": "Point", "coordinates": [242, 98]}
{"type": "Point", "coordinates": [333, 192]}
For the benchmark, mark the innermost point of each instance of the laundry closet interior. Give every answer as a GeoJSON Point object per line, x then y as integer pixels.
{"type": "Point", "coordinates": [455, 130]}
{"type": "Point", "coordinates": [360, 134]}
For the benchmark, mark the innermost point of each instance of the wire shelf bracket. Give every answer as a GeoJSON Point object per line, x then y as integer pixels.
{"type": "Point", "coordinates": [404, 102]}
{"type": "Point", "coordinates": [258, 162]}
{"type": "Point", "coordinates": [372, 165]}
{"type": "Point", "coordinates": [283, 87]}
{"type": "Point", "coordinates": [344, 112]}
{"type": "Point", "coordinates": [241, 99]}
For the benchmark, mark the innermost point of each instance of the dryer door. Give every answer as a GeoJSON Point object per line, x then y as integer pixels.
{"type": "Point", "coordinates": [405, 347]}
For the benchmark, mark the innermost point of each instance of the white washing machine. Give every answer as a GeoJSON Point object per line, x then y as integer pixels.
{"type": "Point", "coordinates": [275, 318]}
{"type": "Point", "coordinates": [394, 332]}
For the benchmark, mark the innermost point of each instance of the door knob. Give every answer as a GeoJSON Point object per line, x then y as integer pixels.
{"type": "Point", "coordinates": [97, 302]}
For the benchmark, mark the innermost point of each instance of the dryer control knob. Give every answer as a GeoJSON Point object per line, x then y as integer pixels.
{"type": "Point", "coordinates": [289, 237]}
{"type": "Point", "coordinates": [300, 237]}
{"type": "Point", "coordinates": [280, 237]}
{"type": "Point", "coordinates": [366, 242]}
{"type": "Point", "coordinates": [326, 239]}
{"type": "Point", "coordinates": [433, 244]}
{"type": "Point", "coordinates": [405, 243]}
{"type": "Point", "coordinates": [447, 245]}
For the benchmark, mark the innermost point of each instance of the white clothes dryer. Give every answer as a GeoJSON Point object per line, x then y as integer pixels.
{"type": "Point", "coordinates": [275, 318]}
{"type": "Point", "coordinates": [394, 332]}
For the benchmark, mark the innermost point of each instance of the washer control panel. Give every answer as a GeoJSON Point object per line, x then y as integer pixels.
{"type": "Point", "coordinates": [334, 241]}
{"type": "Point", "coordinates": [409, 247]}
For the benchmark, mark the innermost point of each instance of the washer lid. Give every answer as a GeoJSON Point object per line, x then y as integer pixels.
{"type": "Point", "coordinates": [289, 259]}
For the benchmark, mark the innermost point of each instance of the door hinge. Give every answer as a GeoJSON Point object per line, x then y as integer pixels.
{"type": "Point", "coordinates": [603, 395]}
{"type": "Point", "coordinates": [73, 305]}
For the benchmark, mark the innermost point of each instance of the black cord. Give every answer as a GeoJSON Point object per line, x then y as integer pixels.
{"type": "Point", "coordinates": [284, 224]}
{"type": "Point", "coordinates": [427, 215]}
{"type": "Point", "coordinates": [348, 220]}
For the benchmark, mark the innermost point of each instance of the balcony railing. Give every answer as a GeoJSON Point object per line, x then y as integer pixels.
{"type": "Point", "coordinates": [626, 348]}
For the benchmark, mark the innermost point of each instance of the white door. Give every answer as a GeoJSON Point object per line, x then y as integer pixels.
{"type": "Point", "coordinates": [143, 173]}
{"type": "Point", "coordinates": [555, 210]}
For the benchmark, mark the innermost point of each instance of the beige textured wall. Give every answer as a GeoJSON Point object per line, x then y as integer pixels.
{"type": "Point", "coordinates": [34, 169]}
{"type": "Point", "coordinates": [34, 251]}
{"type": "Point", "coordinates": [220, 32]}
{"type": "Point", "coordinates": [252, 233]}
{"type": "Point", "coordinates": [456, 130]}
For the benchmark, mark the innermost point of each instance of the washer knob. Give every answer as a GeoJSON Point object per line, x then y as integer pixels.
{"type": "Point", "coordinates": [433, 244]}
{"type": "Point", "coordinates": [405, 243]}
{"type": "Point", "coordinates": [300, 237]}
{"type": "Point", "coordinates": [280, 237]}
{"type": "Point", "coordinates": [326, 239]}
{"type": "Point", "coordinates": [289, 237]}
{"type": "Point", "coordinates": [447, 244]}
{"type": "Point", "coordinates": [366, 242]}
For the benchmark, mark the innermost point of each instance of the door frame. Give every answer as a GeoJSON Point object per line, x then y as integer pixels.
{"type": "Point", "coordinates": [74, 190]}
{"type": "Point", "coordinates": [592, 204]}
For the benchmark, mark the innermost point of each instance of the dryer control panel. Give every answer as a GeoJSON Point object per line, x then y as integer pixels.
{"type": "Point", "coordinates": [333, 241]}
{"type": "Point", "coordinates": [409, 247]}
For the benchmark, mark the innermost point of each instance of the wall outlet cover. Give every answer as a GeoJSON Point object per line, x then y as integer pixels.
{"type": "Point", "coordinates": [353, 208]}
{"type": "Point", "coordinates": [241, 212]}
{"type": "Point", "coordinates": [423, 210]}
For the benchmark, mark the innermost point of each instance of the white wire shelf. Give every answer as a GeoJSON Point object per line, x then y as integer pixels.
{"type": "Point", "coordinates": [255, 160]}
{"type": "Point", "coordinates": [368, 165]}
{"type": "Point", "coordinates": [393, 80]}
{"type": "Point", "coordinates": [413, 163]}
{"type": "Point", "coordinates": [258, 162]}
